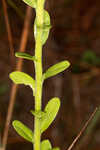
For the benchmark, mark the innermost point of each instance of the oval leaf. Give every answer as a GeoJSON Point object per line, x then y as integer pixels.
{"type": "Point", "coordinates": [56, 148]}
{"type": "Point", "coordinates": [55, 69]}
{"type": "Point", "coordinates": [25, 56]}
{"type": "Point", "coordinates": [46, 27]}
{"type": "Point", "coordinates": [46, 145]}
{"type": "Point", "coordinates": [23, 131]}
{"type": "Point", "coordinates": [31, 3]}
{"type": "Point", "coordinates": [51, 111]}
{"type": "Point", "coordinates": [22, 78]}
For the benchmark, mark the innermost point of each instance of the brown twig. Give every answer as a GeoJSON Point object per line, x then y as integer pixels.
{"type": "Point", "coordinates": [18, 67]}
{"type": "Point", "coordinates": [87, 134]}
{"type": "Point", "coordinates": [82, 130]}
{"type": "Point", "coordinates": [8, 31]}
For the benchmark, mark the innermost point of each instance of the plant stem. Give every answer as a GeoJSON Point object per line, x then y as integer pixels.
{"type": "Point", "coordinates": [38, 71]}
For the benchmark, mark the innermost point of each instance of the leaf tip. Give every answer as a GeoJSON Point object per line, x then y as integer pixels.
{"type": "Point", "coordinates": [57, 100]}
{"type": "Point", "coordinates": [67, 63]}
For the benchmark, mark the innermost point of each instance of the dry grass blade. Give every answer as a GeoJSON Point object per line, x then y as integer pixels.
{"type": "Point", "coordinates": [18, 67]}
{"type": "Point", "coordinates": [82, 130]}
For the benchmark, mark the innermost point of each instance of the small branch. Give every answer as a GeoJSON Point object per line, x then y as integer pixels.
{"type": "Point", "coordinates": [82, 130]}
{"type": "Point", "coordinates": [8, 31]}
{"type": "Point", "coordinates": [89, 130]}
{"type": "Point", "coordinates": [18, 67]}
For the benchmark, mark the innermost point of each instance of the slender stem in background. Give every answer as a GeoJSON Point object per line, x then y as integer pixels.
{"type": "Point", "coordinates": [38, 70]}
{"type": "Point", "coordinates": [83, 129]}
{"type": "Point", "coordinates": [18, 67]}
{"type": "Point", "coordinates": [16, 9]}
{"type": "Point", "coordinates": [8, 31]}
{"type": "Point", "coordinates": [84, 141]}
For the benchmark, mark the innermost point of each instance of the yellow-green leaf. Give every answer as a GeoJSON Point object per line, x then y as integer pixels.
{"type": "Point", "coordinates": [55, 69]}
{"type": "Point", "coordinates": [46, 145]}
{"type": "Point", "coordinates": [51, 111]}
{"type": "Point", "coordinates": [25, 56]}
{"type": "Point", "coordinates": [23, 131]}
{"type": "Point", "coordinates": [45, 28]}
{"type": "Point", "coordinates": [31, 3]}
{"type": "Point", "coordinates": [56, 148]}
{"type": "Point", "coordinates": [22, 78]}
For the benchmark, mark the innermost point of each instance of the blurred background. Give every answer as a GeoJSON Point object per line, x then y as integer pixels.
{"type": "Point", "coordinates": [74, 36]}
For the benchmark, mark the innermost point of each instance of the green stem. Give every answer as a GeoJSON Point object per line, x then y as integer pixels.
{"type": "Point", "coordinates": [38, 71]}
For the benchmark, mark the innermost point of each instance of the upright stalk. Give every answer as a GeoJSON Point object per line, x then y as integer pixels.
{"type": "Point", "coordinates": [44, 118]}
{"type": "Point", "coordinates": [38, 71]}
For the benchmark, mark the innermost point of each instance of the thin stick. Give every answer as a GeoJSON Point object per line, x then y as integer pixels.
{"type": "Point", "coordinates": [18, 67]}
{"type": "Point", "coordinates": [8, 31]}
{"type": "Point", "coordinates": [16, 9]}
{"type": "Point", "coordinates": [89, 130]}
{"type": "Point", "coordinates": [82, 130]}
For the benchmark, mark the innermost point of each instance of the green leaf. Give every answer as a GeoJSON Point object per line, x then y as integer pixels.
{"type": "Point", "coordinates": [46, 27]}
{"type": "Point", "coordinates": [38, 114]}
{"type": "Point", "coordinates": [55, 69]}
{"type": "Point", "coordinates": [46, 145]}
{"type": "Point", "coordinates": [56, 148]}
{"type": "Point", "coordinates": [31, 3]}
{"type": "Point", "coordinates": [25, 56]}
{"type": "Point", "coordinates": [51, 111]}
{"type": "Point", "coordinates": [22, 78]}
{"type": "Point", "coordinates": [23, 131]}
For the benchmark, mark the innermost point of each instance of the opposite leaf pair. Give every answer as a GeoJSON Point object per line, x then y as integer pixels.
{"type": "Point", "coordinates": [46, 118]}
{"type": "Point", "coordinates": [53, 70]}
{"type": "Point", "coordinates": [46, 25]}
{"type": "Point", "coordinates": [23, 78]}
